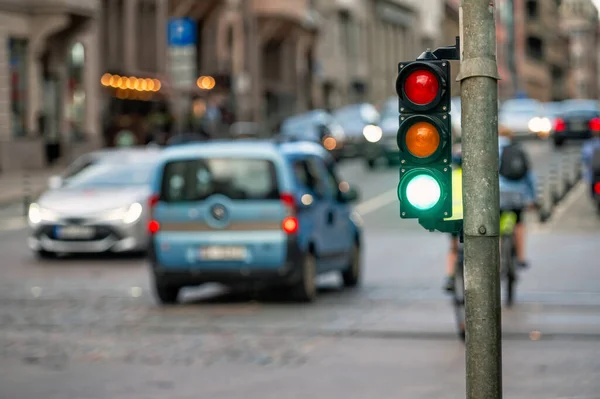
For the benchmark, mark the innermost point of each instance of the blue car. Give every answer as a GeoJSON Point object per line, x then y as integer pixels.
{"type": "Point", "coordinates": [251, 211]}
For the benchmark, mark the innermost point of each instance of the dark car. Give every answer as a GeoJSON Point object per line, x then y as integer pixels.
{"type": "Point", "coordinates": [386, 148]}
{"type": "Point", "coordinates": [361, 126]}
{"type": "Point", "coordinates": [317, 126]}
{"type": "Point", "coordinates": [578, 119]}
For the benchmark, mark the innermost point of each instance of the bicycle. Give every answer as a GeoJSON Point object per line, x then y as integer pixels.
{"type": "Point", "coordinates": [508, 270]}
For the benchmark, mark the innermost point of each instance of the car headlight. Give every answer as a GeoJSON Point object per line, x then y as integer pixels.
{"type": "Point", "coordinates": [534, 124]}
{"type": "Point", "coordinates": [133, 213]}
{"type": "Point", "coordinates": [546, 125]}
{"type": "Point", "coordinates": [372, 133]}
{"type": "Point", "coordinates": [37, 214]}
{"type": "Point", "coordinates": [540, 125]}
{"type": "Point", "coordinates": [126, 215]}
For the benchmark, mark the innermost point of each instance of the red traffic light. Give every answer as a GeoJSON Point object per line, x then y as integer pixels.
{"type": "Point", "coordinates": [421, 87]}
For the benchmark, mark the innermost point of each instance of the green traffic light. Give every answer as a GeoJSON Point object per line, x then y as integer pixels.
{"type": "Point", "coordinates": [423, 192]}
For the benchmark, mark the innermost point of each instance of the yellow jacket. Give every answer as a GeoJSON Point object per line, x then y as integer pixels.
{"type": "Point", "coordinates": [457, 203]}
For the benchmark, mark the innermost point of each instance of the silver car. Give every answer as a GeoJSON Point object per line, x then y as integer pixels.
{"type": "Point", "coordinates": [98, 205]}
{"type": "Point", "coordinates": [525, 117]}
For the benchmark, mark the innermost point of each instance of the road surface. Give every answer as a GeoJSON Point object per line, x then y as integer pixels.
{"type": "Point", "coordinates": [87, 328]}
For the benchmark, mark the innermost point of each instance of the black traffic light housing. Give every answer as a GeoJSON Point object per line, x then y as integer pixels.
{"type": "Point", "coordinates": [441, 103]}
{"type": "Point", "coordinates": [434, 115]}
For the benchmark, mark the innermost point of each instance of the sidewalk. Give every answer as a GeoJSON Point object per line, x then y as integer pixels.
{"type": "Point", "coordinates": [15, 185]}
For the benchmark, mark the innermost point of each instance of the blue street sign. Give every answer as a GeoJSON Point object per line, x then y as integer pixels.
{"type": "Point", "coordinates": [181, 32]}
{"type": "Point", "coordinates": [521, 95]}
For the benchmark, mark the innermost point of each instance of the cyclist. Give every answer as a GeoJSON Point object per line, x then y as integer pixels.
{"type": "Point", "coordinates": [456, 213]}
{"type": "Point", "coordinates": [590, 161]}
{"type": "Point", "coordinates": [517, 192]}
{"type": "Point", "coordinates": [517, 186]}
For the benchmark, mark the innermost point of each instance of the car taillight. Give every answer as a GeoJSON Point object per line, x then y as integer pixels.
{"type": "Point", "coordinates": [290, 225]}
{"type": "Point", "coordinates": [597, 188]}
{"type": "Point", "coordinates": [153, 201]}
{"type": "Point", "coordinates": [595, 124]}
{"type": "Point", "coordinates": [153, 227]}
{"type": "Point", "coordinates": [289, 202]}
{"type": "Point", "coordinates": [560, 125]}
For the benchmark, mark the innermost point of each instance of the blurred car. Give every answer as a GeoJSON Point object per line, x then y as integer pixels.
{"type": "Point", "coordinates": [261, 212]}
{"type": "Point", "coordinates": [98, 205]}
{"type": "Point", "coordinates": [185, 138]}
{"type": "Point", "coordinates": [360, 124]}
{"type": "Point", "coordinates": [577, 120]}
{"type": "Point", "coordinates": [386, 147]}
{"type": "Point", "coordinates": [317, 126]}
{"type": "Point", "coordinates": [525, 117]}
{"type": "Point", "coordinates": [552, 109]}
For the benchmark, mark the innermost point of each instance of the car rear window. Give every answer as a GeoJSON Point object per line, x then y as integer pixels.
{"type": "Point", "coordinates": [239, 179]}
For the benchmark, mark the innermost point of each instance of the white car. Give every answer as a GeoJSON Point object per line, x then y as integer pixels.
{"type": "Point", "coordinates": [525, 117]}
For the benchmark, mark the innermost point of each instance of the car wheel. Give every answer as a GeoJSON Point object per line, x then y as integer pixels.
{"type": "Point", "coordinates": [41, 254]}
{"type": "Point", "coordinates": [351, 276]}
{"type": "Point", "coordinates": [305, 290]}
{"type": "Point", "coordinates": [166, 294]}
{"type": "Point", "coordinates": [558, 142]}
{"type": "Point", "coordinates": [371, 163]}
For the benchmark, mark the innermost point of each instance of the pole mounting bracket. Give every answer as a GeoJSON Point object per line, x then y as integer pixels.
{"type": "Point", "coordinates": [451, 53]}
{"type": "Point", "coordinates": [478, 67]}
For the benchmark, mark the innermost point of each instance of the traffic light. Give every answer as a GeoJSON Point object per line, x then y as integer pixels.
{"type": "Point", "coordinates": [424, 139]}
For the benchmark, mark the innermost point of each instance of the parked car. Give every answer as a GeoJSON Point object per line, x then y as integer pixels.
{"type": "Point", "coordinates": [361, 126]}
{"type": "Point", "coordinates": [317, 126]}
{"type": "Point", "coordinates": [386, 148]}
{"type": "Point", "coordinates": [268, 213]}
{"type": "Point", "coordinates": [577, 120]}
{"type": "Point", "coordinates": [525, 117]}
{"type": "Point", "coordinates": [98, 205]}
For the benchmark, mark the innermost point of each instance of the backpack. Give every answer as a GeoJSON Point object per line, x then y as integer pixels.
{"type": "Point", "coordinates": [514, 164]}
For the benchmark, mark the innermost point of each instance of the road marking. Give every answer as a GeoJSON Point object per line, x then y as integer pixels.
{"type": "Point", "coordinates": [17, 223]}
{"type": "Point", "coordinates": [377, 202]}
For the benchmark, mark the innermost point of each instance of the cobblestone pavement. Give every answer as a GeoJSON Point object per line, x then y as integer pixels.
{"type": "Point", "coordinates": [87, 328]}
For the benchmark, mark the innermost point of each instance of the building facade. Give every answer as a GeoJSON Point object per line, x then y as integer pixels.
{"type": "Point", "coordinates": [360, 46]}
{"type": "Point", "coordinates": [450, 29]}
{"type": "Point", "coordinates": [532, 50]}
{"type": "Point", "coordinates": [132, 81]}
{"type": "Point", "coordinates": [260, 54]}
{"type": "Point", "coordinates": [47, 79]}
{"type": "Point", "coordinates": [579, 20]}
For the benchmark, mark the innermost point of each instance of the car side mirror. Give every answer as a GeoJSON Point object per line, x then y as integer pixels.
{"type": "Point", "coordinates": [351, 195]}
{"type": "Point", "coordinates": [55, 182]}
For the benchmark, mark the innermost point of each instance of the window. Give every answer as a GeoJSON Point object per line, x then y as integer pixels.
{"type": "Point", "coordinates": [535, 48]}
{"type": "Point", "coordinates": [347, 34]}
{"type": "Point", "coordinates": [78, 166]}
{"type": "Point", "coordinates": [532, 9]}
{"type": "Point", "coordinates": [334, 180]}
{"type": "Point", "coordinates": [112, 175]}
{"type": "Point", "coordinates": [17, 50]}
{"type": "Point", "coordinates": [238, 179]}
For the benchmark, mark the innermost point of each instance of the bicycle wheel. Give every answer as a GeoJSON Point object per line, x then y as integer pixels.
{"type": "Point", "coordinates": [459, 297]}
{"type": "Point", "coordinates": [507, 258]}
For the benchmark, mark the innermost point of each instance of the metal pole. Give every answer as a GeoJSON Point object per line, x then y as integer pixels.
{"type": "Point", "coordinates": [479, 90]}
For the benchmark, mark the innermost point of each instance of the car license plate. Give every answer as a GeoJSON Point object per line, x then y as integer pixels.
{"type": "Point", "coordinates": [578, 126]}
{"type": "Point", "coordinates": [67, 232]}
{"type": "Point", "coordinates": [223, 253]}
